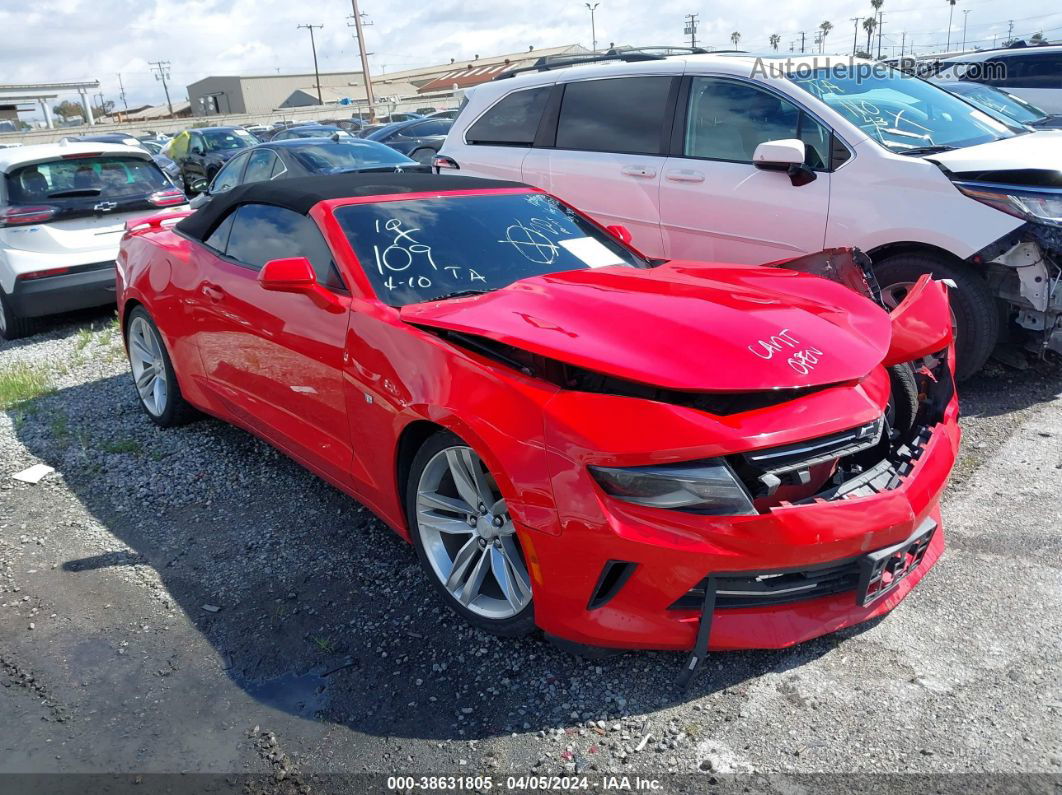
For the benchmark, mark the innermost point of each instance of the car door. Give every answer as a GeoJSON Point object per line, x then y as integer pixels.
{"type": "Point", "coordinates": [275, 359]}
{"type": "Point", "coordinates": [714, 203]}
{"type": "Point", "coordinates": [260, 165]}
{"type": "Point", "coordinates": [230, 175]}
{"type": "Point", "coordinates": [496, 144]}
{"type": "Point", "coordinates": [194, 165]}
{"type": "Point", "coordinates": [609, 150]}
{"type": "Point", "coordinates": [1036, 77]}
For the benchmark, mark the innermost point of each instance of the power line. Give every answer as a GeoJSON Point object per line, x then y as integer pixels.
{"type": "Point", "coordinates": [162, 72]}
{"type": "Point", "coordinates": [316, 72]}
{"type": "Point", "coordinates": [691, 28]}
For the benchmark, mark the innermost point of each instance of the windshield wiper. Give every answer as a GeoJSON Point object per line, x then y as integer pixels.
{"type": "Point", "coordinates": [927, 150]}
{"type": "Point", "coordinates": [460, 294]}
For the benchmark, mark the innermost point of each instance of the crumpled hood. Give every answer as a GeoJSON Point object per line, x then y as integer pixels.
{"type": "Point", "coordinates": [686, 326]}
{"type": "Point", "coordinates": [1038, 150]}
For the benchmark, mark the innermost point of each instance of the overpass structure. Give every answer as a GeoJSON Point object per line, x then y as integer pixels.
{"type": "Point", "coordinates": [42, 92]}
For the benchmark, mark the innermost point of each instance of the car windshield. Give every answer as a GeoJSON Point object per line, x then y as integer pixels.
{"type": "Point", "coordinates": [106, 177]}
{"type": "Point", "coordinates": [993, 100]}
{"type": "Point", "coordinates": [901, 112]}
{"type": "Point", "coordinates": [332, 158]}
{"type": "Point", "coordinates": [219, 140]}
{"type": "Point", "coordinates": [426, 249]}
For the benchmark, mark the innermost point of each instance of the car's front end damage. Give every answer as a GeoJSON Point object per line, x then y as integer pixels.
{"type": "Point", "coordinates": [737, 489]}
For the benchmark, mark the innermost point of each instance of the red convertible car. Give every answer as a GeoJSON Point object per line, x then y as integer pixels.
{"type": "Point", "coordinates": [621, 452]}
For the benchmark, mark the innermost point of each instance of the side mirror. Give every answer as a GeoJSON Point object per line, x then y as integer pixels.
{"type": "Point", "coordinates": [199, 200]}
{"type": "Point", "coordinates": [296, 275]}
{"type": "Point", "coordinates": [786, 155]}
{"type": "Point", "coordinates": [291, 275]}
{"type": "Point", "coordinates": [620, 232]}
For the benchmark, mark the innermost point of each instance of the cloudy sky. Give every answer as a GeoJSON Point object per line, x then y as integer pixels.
{"type": "Point", "coordinates": [62, 40]}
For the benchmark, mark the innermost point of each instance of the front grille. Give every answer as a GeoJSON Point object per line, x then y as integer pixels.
{"type": "Point", "coordinates": [770, 588]}
{"type": "Point", "coordinates": [801, 455]}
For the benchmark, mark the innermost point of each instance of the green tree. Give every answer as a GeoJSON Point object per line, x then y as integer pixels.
{"type": "Point", "coordinates": [68, 109]}
{"type": "Point", "coordinates": [868, 25]}
{"type": "Point", "coordinates": [735, 37]}
{"type": "Point", "coordinates": [825, 27]}
{"type": "Point", "coordinates": [774, 39]}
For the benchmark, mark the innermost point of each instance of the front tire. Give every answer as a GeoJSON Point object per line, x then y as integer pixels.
{"type": "Point", "coordinates": [153, 375]}
{"type": "Point", "coordinates": [12, 325]}
{"type": "Point", "coordinates": [975, 315]}
{"type": "Point", "coordinates": [465, 538]}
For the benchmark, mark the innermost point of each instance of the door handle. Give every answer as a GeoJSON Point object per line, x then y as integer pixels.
{"type": "Point", "coordinates": [686, 175]}
{"type": "Point", "coordinates": [639, 171]}
{"type": "Point", "coordinates": [213, 292]}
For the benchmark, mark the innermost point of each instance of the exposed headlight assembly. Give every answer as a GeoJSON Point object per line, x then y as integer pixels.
{"type": "Point", "coordinates": [704, 487]}
{"type": "Point", "coordinates": [1040, 206]}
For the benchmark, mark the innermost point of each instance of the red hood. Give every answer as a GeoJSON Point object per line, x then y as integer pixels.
{"type": "Point", "coordinates": [682, 325]}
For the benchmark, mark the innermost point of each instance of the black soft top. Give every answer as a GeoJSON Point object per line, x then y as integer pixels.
{"type": "Point", "coordinates": [302, 193]}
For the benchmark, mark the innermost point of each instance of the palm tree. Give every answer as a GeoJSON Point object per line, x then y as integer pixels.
{"type": "Point", "coordinates": [735, 37]}
{"type": "Point", "coordinates": [774, 40]}
{"type": "Point", "coordinates": [868, 25]}
{"type": "Point", "coordinates": [825, 27]}
{"type": "Point", "coordinates": [877, 4]}
{"type": "Point", "coordinates": [951, 13]}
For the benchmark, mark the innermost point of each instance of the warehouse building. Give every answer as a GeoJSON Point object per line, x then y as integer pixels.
{"type": "Point", "coordinates": [262, 94]}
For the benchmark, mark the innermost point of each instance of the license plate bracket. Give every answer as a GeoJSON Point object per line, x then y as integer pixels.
{"type": "Point", "coordinates": [880, 572]}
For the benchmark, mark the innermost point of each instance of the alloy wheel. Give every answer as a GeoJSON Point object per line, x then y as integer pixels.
{"type": "Point", "coordinates": [149, 368]}
{"type": "Point", "coordinates": [892, 296]}
{"type": "Point", "coordinates": [468, 536]}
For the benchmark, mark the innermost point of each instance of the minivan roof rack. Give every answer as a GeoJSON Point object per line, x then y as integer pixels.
{"type": "Point", "coordinates": [629, 54]}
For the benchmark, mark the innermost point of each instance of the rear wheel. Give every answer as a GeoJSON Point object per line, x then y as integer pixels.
{"type": "Point", "coordinates": [153, 375]}
{"type": "Point", "coordinates": [12, 325]}
{"type": "Point", "coordinates": [465, 538]}
{"type": "Point", "coordinates": [975, 316]}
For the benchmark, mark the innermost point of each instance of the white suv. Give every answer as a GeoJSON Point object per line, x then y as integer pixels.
{"type": "Point", "coordinates": [736, 158]}
{"type": "Point", "coordinates": [63, 208]}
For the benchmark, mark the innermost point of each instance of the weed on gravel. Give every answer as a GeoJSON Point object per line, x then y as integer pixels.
{"type": "Point", "coordinates": [21, 383]}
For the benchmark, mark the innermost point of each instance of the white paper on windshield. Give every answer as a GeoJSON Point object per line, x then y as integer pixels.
{"type": "Point", "coordinates": [592, 252]}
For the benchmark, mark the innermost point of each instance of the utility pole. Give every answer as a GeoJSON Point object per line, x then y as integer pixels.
{"type": "Point", "coordinates": [1010, 32]}
{"type": "Point", "coordinates": [855, 35]}
{"type": "Point", "coordinates": [313, 46]}
{"type": "Point", "coordinates": [965, 15]}
{"type": "Point", "coordinates": [162, 72]}
{"type": "Point", "coordinates": [881, 24]}
{"type": "Point", "coordinates": [121, 93]}
{"type": "Point", "coordinates": [691, 29]}
{"type": "Point", "coordinates": [903, 42]}
{"type": "Point", "coordinates": [369, 98]}
{"type": "Point", "coordinates": [802, 41]}
{"type": "Point", "coordinates": [593, 27]}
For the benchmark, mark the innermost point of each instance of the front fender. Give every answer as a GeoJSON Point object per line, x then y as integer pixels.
{"type": "Point", "coordinates": [921, 324]}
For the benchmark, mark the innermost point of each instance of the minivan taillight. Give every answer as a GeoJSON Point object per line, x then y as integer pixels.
{"type": "Point", "coordinates": [28, 214]}
{"type": "Point", "coordinates": [167, 198]}
{"type": "Point", "coordinates": [442, 161]}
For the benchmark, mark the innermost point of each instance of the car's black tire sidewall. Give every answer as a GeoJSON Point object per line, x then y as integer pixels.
{"type": "Point", "coordinates": [178, 411]}
{"type": "Point", "coordinates": [519, 625]}
{"type": "Point", "coordinates": [13, 326]}
{"type": "Point", "coordinates": [977, 315]}
{"type": "Point", "coordinates": [903, 399]}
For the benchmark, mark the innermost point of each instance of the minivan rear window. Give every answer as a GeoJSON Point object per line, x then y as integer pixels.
{"type": "Point", "coordinates": [111, 177]}
{"type": "Point", "coordinates": [511, 122]}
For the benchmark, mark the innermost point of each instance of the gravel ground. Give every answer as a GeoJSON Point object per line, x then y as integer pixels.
{"type": "Point", "coordinates": [191, 601]}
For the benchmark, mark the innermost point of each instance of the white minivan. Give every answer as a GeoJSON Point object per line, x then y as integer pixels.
{"type": "Point", "coordinates": [63, 209]}
{"type": "Point", "coordinates": [738, 158]}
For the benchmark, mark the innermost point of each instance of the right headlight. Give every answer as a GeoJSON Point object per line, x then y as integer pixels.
{"type": "Point", "coordinates": [705, 487]}
{"type": "Point", "coordinates": [1044, 207]}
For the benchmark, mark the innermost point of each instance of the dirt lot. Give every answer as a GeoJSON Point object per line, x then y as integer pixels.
{"type": "Point", "coordinates": [191, 601]}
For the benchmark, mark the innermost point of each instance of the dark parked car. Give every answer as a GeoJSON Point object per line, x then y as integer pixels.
{"type": "Point", "coordinates": [444, 114]}
{"type": "Point", "coordinates": [1003, 105]}
{"type": "Point", "coordinates": [311, 131]}
{"type": "Point", "coordinates": [209, 149]}
{"type": "Point", "coordinates": [305, 157]}
{"type": "Point", "coordinates": [421, 139]}
{"type": "Point", "coordinates": [167, 166]}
